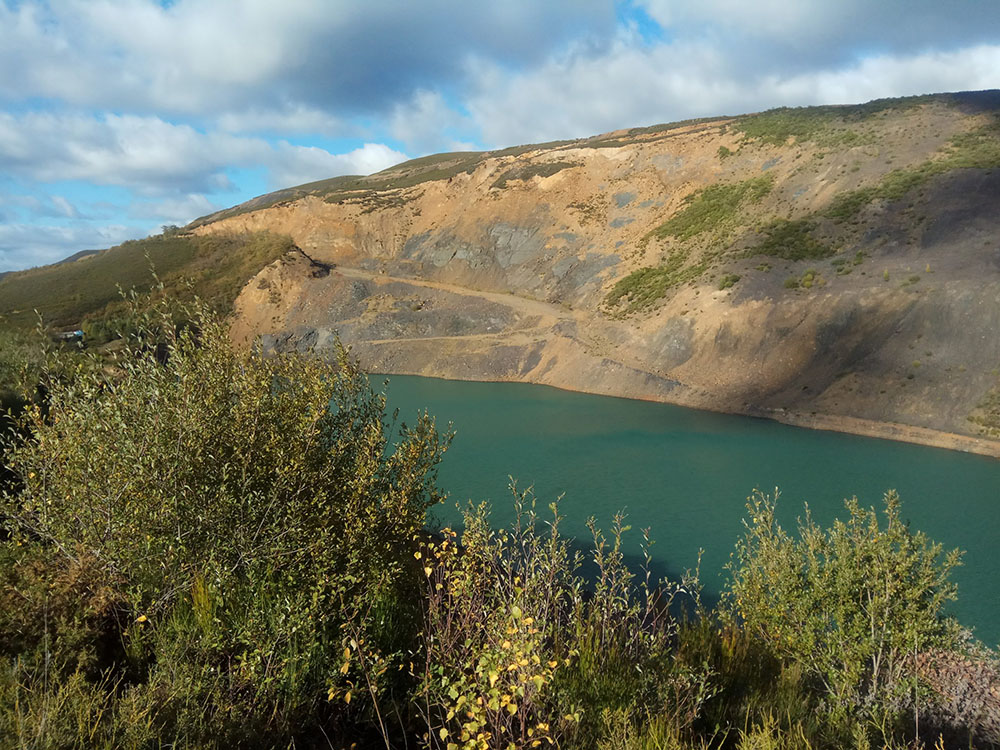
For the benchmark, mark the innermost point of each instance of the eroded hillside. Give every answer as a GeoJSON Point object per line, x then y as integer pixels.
{"type": "Point", "coordinates": [834, 266]}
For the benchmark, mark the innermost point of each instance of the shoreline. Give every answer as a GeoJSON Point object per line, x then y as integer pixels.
{"type": "Point", "coordinates": [859, 426]}
{"type": "Point", "coordinates": [902, 433]}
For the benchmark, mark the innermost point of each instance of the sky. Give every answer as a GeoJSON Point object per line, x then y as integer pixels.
{"type": "Point", "coordinates": [119, 117]}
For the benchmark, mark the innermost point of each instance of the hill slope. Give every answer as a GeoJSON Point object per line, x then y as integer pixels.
{"type": "Point", "coordinates": [831, 266]}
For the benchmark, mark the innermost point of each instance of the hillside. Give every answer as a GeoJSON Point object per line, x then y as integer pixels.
{"type": "Point", "coordinates": [87, 287]}
{"type": "Point", "coordinates": [837, 267]}
{"type": "Point", "coordinates": [830, 266]}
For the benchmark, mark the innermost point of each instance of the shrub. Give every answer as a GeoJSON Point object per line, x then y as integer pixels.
{"type": "Point", "coordinates": [714, 207]}
{"type": "Point", "coordinates": [852, 604]}
{"type": "Point", "coordinates": [645, 286]}
{"type": "Point", "coordinates": [728, 280]}
{"type": "Point", "coordinates": [791, 240]}
{"type": "Point", "coordinates": [253, 518]}
{"type": "Point", "coordinates": [519, 652]}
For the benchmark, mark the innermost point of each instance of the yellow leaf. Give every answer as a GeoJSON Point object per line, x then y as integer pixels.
{"type": "Point", "coordinates": [141, 618]}
{"type": "Point", "coordinates": [347, 697]}
{"type": "Point", "coordinates": [343, 669]}
{"type": "Point", "coordinates": [443, 734]}
{"type": "Point", "coordinates": [417, 555]}
{"type": "Point", "coordinates": [428, 570]}
{"type": "Point", "coordinates": [512, 708]}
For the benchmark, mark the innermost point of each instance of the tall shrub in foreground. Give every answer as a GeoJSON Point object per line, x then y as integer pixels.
{"type": "Point", "coordinates": [853, 604]}
{"type": "Point", "coordinates": [254, 518]}
{"type": "Point", "coordinates": [521, 652]}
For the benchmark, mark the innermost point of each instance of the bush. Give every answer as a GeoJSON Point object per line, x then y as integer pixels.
{"type": "Point", "coordinates": [728, 280]}
{"type": "Point", "coordinates": [852, 604]}
{"type": "Point", "coordinates": [255, 522]}
{"type": "Point", "coordinates": [791, 240]}
{"type": "Point", "coordinates": [714, 207]}
{"type": "Point", "coordinates": [519, 651]}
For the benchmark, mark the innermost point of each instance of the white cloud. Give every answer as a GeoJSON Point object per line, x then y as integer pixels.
{"type": "Point", "coordinates": [811, 33]}
{"type": "Point", "coordinates": [291, 119]}
{"type": "Point", "coordinates": [626, 85]}
{"type": "Point", "coordinates": [55, 206]}
{"type": "Point", "coordinates": [25, 245]}
{"type": "Point", "coordinates": [426, 124]}
{"type": "Point", "coordinates": [192, 56]}
{"type": "Point", "coordinates": [153, 156]}
{"type": "Point", "coordinates": [64, 207]}
{"type": "Point", "coordinates": [295, 165]}
{"type": "Point", "coordinates": [180, 210]}
{"type": "Point", "coordinates": [969, 69]}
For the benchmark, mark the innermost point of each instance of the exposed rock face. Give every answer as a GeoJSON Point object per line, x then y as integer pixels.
{"type": "Point", "coordinates": [846, 276]}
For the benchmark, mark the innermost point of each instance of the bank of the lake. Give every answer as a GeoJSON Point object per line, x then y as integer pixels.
{"type": "Point", "coordinates": [686, 474]}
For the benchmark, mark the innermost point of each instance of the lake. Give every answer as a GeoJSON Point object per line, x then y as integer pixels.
{"type": "Point", "coordinates": [686, 474]}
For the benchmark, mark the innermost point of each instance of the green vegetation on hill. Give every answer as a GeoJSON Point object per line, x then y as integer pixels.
{"type": "Point", "coordinates": [830, 125]}
{"type": "Point", "coordinates": [714, 208]}
{"type": "Point", "coordinates": [791, 240]}
{"type": "Point", "coordinates": [977, 149]}
{"type": "Point", "coordinates": [644, 286]}
{"type": "Point", "coordinates": [527, 171]}
{"type": "Point", "coordinates": [712, 213]}
{"type": "Point", "coordinates": [215, 549]}
{"type": "Point", "coordinates": [214, 267]}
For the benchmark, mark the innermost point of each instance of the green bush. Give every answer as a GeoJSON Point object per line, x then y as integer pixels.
{"type": "Point", "coordinates": [852, 604]}
{"type": "Point", "coordinates": [645, 286]}
{"type": "Point", "coordinates": [255, 523]}
{"type": "Point", "coordinates": [714, 207]}
{"type": "Point", "coordinates": [519, 651]}
{"type": "Point", "coordinates": [728, 280]}
{"type": "Point", "coordinates": [791, 240]}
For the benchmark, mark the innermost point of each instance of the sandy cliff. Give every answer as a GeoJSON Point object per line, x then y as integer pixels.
{"type": "Point", "coordinates": [833, 267]}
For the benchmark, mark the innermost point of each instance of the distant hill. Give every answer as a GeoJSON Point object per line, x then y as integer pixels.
{"type": "Point", "coordinates": [80, 256]}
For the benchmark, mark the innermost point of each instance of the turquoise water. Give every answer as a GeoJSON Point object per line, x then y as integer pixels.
{"type": "Point", "coordinates": [686, 475]}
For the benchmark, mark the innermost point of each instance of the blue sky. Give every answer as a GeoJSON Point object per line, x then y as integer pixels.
{"type": "Point", "coordinates": [120, 116]}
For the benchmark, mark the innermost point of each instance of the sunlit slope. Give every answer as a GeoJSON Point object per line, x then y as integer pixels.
{"type": "Point", "coordinates": [65, 294]}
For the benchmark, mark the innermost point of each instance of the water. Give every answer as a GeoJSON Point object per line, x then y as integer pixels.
{"type": "Point", "coordinates": [686, 475]}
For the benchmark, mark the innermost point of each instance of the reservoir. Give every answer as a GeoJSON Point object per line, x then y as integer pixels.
{"type": "Point", "coordinates": [686, 475]}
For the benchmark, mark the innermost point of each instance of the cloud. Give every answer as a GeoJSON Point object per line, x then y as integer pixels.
{"type": "Point", "coordinates": [293, 119]}
{"type": "Point", "coordinates": [154, 156]}
{"type": "Point", "coordinates": [775, 34]}
{"type": "Point", "coordinates": [13, 207]}
{"type": "Point", "coordinates": [426, 123]}
{"type": "Point", "coordinates": [295, 165]}
{"type": "Point", "coordinates": [26, 245]}
{"type": "Point", "coordinates": [64, 207]}
{"type": "Point", "coordinates": [191, 56]}
{"type": "Point", "coordinates": [627, 84]}
{"type": "Point", "coordinates": [180, 210]}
